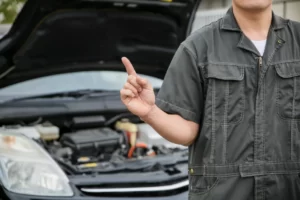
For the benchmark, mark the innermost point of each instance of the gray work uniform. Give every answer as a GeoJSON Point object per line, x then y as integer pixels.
{"type": "Point", "coordinates": [248, 109]}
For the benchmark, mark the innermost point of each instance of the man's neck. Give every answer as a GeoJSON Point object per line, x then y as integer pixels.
{"type": "Point", "coordinates": [255, 25]}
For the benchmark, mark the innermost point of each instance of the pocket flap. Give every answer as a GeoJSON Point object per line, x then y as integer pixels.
{"type": "Point", "coordinates": [225, 72]}
{"type": "Point", "coordinates": [288, 70]}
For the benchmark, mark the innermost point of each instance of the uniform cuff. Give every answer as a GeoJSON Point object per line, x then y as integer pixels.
{"type": "Point", "coordinates": [174, 109]}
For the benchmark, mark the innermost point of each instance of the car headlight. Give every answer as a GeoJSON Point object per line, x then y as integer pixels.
{"type": "Point", "coordinates": [26, 168]}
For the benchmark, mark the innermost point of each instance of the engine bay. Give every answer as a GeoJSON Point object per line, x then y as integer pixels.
{"type": "Point", "coordinates": [96, 145]}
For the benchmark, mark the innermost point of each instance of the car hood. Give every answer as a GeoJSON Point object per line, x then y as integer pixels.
{"type": "Point", "coordinates": [57, 36]}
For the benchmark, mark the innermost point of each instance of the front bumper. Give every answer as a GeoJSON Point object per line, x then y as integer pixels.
{"type": "Point", "coordinates": [159, 185]}
{"type": "Point", "coordinates": [12, 196]}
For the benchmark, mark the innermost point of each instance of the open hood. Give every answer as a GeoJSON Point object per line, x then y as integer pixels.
{"type": "Point", "coordinates": [57, 36]}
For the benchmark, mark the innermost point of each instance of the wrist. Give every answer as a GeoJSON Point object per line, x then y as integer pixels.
{"type": "Point", "coordinates": [151, 114]}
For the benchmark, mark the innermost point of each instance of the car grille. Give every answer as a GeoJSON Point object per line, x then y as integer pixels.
{"type": "Point", "coordinates": [161, 189]}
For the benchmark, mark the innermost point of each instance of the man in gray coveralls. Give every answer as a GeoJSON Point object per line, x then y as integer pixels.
{"type": "Point", "coordinates": [232, 94]}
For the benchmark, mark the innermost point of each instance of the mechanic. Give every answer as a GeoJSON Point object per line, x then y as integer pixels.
{"type": "Point", "coordinates": [232, 94]}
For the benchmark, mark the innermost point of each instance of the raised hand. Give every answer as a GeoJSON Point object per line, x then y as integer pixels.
{"type": "Point", "coordinates": [137, 93]}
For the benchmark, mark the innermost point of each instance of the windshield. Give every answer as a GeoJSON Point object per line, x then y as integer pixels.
{"type": "Point", "coordinates": [90, 80]}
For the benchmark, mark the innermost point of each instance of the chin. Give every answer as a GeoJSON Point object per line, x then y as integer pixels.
{"type": "Point", "coordinates": [253, 5]}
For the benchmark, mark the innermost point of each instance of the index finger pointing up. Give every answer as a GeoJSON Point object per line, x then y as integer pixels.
{"type": "Point", "coordinates": [129, 68]}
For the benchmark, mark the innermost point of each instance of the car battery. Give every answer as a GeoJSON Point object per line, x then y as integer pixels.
{"type": "Point", "coordinates": [149, 136]}
{"type": "Point", "coordinates": [92, 142]}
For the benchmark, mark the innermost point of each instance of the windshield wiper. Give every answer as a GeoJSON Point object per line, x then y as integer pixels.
{"type": "Point", "coordinates": [73, 94]}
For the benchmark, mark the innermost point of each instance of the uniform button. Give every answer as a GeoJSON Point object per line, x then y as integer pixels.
{"type": "Point", "coordinates": [191, 171]}
{"type": "Point", "coordinates": [279, 41]}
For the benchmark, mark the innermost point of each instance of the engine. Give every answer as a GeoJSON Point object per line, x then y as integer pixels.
{"type": "Point", "coordinates": [101, 149]}
{"type": "Point", "coordinates": [86, 145]}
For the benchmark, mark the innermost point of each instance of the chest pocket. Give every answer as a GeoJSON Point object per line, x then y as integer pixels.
{"type": "Point", "coordinates": [225, 96]}
{"type": "Point", "coordinates": [288, 90]}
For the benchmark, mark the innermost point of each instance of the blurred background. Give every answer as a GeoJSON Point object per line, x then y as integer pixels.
{"type": "Point", "coordinates": [211, 10]}
{"type": "Point", "coordinates": [8, 11]}
{"type": "Point", "coordinates": [208, 11]}
{"type": "Point", "coordinates": [61, 98]}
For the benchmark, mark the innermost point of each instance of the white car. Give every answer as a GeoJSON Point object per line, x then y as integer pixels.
{"type": "Point", "coordinates": [64, 133]}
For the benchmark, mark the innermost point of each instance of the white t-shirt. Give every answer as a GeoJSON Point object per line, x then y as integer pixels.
{"type": "Point", "coordinates": [260, 45]}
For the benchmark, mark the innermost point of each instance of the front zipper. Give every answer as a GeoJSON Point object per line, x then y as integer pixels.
{"type": "Point", "coordinates": [260, 62]}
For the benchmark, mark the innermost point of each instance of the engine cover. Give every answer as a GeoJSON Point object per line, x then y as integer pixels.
{"type": "Point", "coordinates": [92, 142]}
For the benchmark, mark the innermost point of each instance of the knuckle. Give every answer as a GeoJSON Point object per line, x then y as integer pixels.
{"type": "Point", "coordinates": [131, 78]}
{"type": "Point", "coordinates": [133, 83]}
{"type": "Point", "coordinates": [130, 87]}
